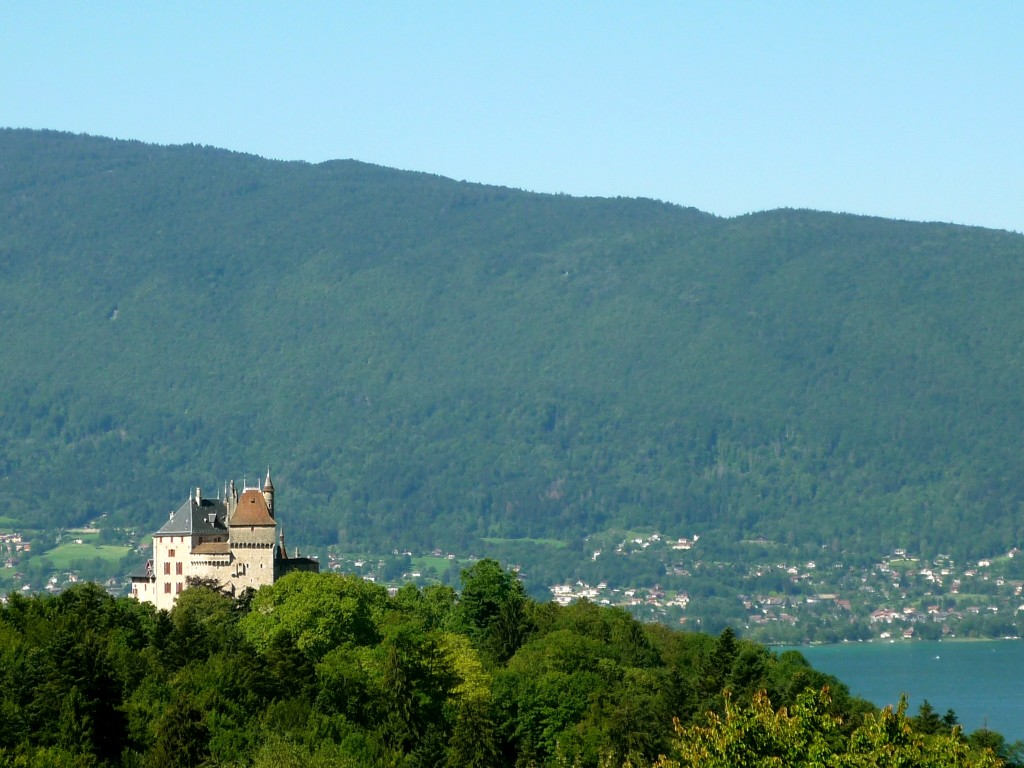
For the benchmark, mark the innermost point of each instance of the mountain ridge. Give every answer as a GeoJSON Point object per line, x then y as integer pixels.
{"type": "Point", "coordinates": [430, 362]}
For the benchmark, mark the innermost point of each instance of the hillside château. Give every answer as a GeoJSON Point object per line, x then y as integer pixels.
{"type": "Point", "coordinates": [232, 541]}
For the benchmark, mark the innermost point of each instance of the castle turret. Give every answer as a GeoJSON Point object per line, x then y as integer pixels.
{"type": "Point", "coordinates": [268, 493]}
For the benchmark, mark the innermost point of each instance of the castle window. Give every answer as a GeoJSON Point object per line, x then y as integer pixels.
{"type": "Point", "coordinates": [170, 553]}
{"type": "Point", "coordinates": [177, 588]}
{"type": "Point", "coordinates": [177, 568]}
{"type": "Point", "coordinates": [167, 588]}
{"type": "Point", "coordinates": [167, 569]}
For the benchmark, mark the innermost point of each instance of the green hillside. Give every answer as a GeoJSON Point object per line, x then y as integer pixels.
{"type": "Point", "coordinates": [428, 362]}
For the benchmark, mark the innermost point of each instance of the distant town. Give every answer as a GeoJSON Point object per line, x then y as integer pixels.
{"type": "Point", "coordinates": [899, 597]}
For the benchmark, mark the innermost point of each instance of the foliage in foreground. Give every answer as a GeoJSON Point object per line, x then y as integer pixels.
{"type": "Point", "coordinates": [330, 670]}
{"type": "Point", "coordinates": [810, 735]}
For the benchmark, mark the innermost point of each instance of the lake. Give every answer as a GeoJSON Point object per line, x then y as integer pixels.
{"type": "Point", "coordinates": [980, 680]}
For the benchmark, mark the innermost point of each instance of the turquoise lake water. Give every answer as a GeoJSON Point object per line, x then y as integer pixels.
{"type": "Point", "coordinates": [980, 680]}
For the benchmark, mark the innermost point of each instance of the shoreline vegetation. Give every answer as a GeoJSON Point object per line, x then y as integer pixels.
{"type": "Point", "coordinates": [894, 641]}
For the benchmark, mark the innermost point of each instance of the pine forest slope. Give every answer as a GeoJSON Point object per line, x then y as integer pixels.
{"type": "Point", "coordinates": [428, 362]}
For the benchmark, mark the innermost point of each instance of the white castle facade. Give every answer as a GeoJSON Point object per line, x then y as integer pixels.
{"type": "Point", "coordinates": [232, 542]}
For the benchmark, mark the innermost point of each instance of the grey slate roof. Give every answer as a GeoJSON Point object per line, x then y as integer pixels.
{"type": "Point", "coordinates": [191, 519]}
{"type": "Point", "coordinates": [144, 571]}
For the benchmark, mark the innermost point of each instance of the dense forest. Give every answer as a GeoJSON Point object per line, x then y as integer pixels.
{"type": "Point", "coordinates": [433, 363]}
{"type": "Point", "coordinates": [330, 670]}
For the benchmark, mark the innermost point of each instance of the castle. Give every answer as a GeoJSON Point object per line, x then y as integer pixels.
{"type": "Point", "coordinates": [232, 542]}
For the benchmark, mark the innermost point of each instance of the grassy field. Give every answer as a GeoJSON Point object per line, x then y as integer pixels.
{"type": "Point", "coordinates": [556, 543]}
{"type": "Point", "coordinates": [429, 565]}
{"type": "Point", "coordinates": [903, 565]}
{"type": "Point", "coordinates": [64, 555]}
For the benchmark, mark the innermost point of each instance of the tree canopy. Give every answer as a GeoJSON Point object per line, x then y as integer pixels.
{"type": "Point", "coordinates": [322, 670]}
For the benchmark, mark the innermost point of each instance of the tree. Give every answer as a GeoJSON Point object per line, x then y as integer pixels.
{"type": "Point", "coordinates": [808, 735]}
{"type": "Point", "coordinates": [182, 737]}
{"type": "Point", "coordinates": [928, 721]}
{"type": "Point", "coordinates": [756, 736]}
{"type": "Point", "coordinates": [408, 683]}
{"type": "Point", "coordinates": [474, 742]}
{"type": "Point", "coordinates": [492, 609]}
{"type": "Point", "coordinates": [74, 728]}
{"type": "Point", "coordinates": [204, 621]}
{"type": "Point", "coordinates": [748, 671]}
{"type": "Point", "coordinates": [431, 605]}
{"type": "Point", "coordinates": [314, 613]}
{"type": "Point", "coordinates": [995, 743]}
{"type": "Point", "coordinates": [715, 669]}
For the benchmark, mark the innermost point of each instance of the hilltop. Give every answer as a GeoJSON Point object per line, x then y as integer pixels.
{"type": "Point", "coordinates": [433, 363]}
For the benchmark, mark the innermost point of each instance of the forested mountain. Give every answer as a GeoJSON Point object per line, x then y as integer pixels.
{"type": "Point", "coordinates": [428, 362]}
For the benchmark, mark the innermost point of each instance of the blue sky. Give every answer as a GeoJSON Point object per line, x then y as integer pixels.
{"type": "Point", "coordinates": [905, 110]}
